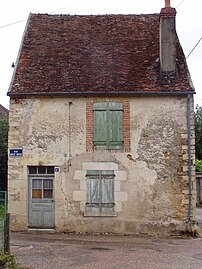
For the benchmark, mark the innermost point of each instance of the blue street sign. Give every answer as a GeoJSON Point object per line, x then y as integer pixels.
{"type": "Point", "coordinates": [15, 153]}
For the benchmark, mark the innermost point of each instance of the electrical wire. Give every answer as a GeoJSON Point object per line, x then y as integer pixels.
{"type": "Point", "coordinates": [197, 42]}
{"type": "Point", "coordinates": [13, 23]}
{"type": "Point", "coordinates": [194, 48]}
{"type": "Point", "coordinates": [180, 3]}
{"type": "Point", "coordinates": [3, 26]}
{"type": "Point", "coordinates": [7, 25]}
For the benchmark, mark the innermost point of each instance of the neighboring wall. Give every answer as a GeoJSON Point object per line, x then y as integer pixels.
{"type": "Point", "coordinates": [3, 148]}
{"type": "Point", "coordinates": [199, 188]}
{"type": "Point", "coordinates": [151, 183]}
{"type": "Point", "coordinates": [3, 112]}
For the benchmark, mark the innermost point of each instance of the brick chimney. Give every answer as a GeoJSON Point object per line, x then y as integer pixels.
{"type": "Point", "coordinates": [167, 39]}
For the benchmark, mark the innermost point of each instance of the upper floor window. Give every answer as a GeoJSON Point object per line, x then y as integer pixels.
{"type": "Point", "coordinates": [108, 125]}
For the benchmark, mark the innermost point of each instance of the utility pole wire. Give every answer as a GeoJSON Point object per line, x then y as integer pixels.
{"type": "Point", "coordinates": [11, 24]}
{"type": "Point", "coordinates": [7, 25]}
{"type": "Point", "coordinates": [194, 47]}
{"type": "Point", "coordinates": [180, 3]}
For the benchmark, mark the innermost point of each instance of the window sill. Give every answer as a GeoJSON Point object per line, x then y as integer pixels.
{"type": "Point", "coordinates": [100, 214]}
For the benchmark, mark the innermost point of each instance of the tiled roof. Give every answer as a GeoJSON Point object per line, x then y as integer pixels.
{"type": "Point", "coordinates": [87, 54]}
{"type": "Point", "coordinates": [3, 112]}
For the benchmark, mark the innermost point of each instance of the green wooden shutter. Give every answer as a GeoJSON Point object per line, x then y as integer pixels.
{"type": "Point", "coordinates": [108, 125]}
{"type": "Point", "coordinates": [115, 124]}
{"type": "Point", "coordinates": [100, 124]}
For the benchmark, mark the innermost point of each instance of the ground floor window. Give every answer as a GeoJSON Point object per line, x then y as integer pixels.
{"type": "Point", "coordinates": [42, 188]}
{"type": "Point", "coordinates": [36, 170]}
{"type": "Point", "coordinates": [100, 191]}
{"type": "Point", "coordinates": [41, 182]}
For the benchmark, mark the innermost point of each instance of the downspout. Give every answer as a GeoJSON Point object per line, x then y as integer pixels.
{"type": "Point", "coordinates": [69, 138]}
{"type": "Point", "coordinates": [189, 159]}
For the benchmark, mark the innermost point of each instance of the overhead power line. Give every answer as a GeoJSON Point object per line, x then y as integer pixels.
{"type": "Point", "coordinates": [13, 23]}
{"type": "Point", "coordinates": [194, 48]}
{"type": "Point", "coordinates": [10, 24]}
{"type": "Point", "coordinates": [180, 3]}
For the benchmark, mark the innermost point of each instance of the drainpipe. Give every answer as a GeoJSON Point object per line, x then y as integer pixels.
{"type": "Point", "coordinates": [69, 138]}
{"type": "Point", "coordinates": [189, 159]}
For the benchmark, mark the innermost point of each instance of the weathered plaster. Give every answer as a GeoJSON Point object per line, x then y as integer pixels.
{"type": "Point", "coordinates": [151, 179]}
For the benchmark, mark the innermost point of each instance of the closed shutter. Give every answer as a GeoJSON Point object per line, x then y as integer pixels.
{"type": "Point", "coordinates": [100, 191]}
{"type": "Point", "coordinates": [100, 127]}
{"type": "Point", "coordinates": [93, 190]}
{"type": "Point", "coordinates": [108, 125]}
{"type": "Point", "coordinates": [115, 129]}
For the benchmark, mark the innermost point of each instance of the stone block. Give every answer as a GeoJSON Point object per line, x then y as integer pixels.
{"type": "Point", "coordinates": [117, 185]}
{"type": "Point", "coordinates": [15, 197]}
{"type": "Point", "coordinates": [184, 147]}
{"type": "Point", "coordinates": [14, 123]}
{"type": "Point", "coordinates": [185, 156]}
{"type": "Point", "coordinates": [118, 206]}
{"type": "Point", "coordinates": [80, 174]}
{"type": "Point", "coordinates": [185, 168]}
{"type": "Point", "coordinates": [120, 175]}
{"type": "Point", "coordinates": [99, 166]}
{"type": "Point", "coordinates": [120, 196]}
{"type": "Point", "coordinates": [185, 192]}
{"type": "Point", "coordinates": [184, 136]}
{"type": "Point", "coordinates": [83, 185]}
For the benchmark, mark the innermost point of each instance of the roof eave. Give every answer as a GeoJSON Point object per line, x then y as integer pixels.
{"type": "Point", "coordinates": [128, 93]}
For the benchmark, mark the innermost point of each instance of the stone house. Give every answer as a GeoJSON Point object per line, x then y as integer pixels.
{"type": "Point", "coordinates": [102, 126]}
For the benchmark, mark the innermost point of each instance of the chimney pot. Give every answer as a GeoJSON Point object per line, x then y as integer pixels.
{"type": "Point", "coordinates": [167, 3]}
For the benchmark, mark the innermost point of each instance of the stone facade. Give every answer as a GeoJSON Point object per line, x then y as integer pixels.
{"type": "Point", "coordinates": [151, 175]}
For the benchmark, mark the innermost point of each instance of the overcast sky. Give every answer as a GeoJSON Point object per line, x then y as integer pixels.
{"type": "Point", "coordinates": [188, 21]}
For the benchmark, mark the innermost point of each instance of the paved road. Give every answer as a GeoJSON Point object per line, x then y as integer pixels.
{"type": "Point", "coordinates": [52, 251]}
{"type": "Point", "coordinates": [105, 252]}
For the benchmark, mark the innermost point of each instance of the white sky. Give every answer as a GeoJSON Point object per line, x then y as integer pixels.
{"type": "Point", "coordinates": [189, 28]}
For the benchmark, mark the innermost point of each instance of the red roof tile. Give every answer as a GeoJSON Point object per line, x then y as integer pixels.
{"type": "Point", "coordinates": [88, 54]}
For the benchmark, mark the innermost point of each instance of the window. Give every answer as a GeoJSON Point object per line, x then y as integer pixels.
{"type": "Point", "coordinates": [42, 188]}
{"type": "Point", "coordinates": [41, 181]}
{"type": "Point", "coordinates": [34, 170]}
{"type": "Point", "coordinates": [100, 191]}
{"type": "Point", "coordinates": [108, 125]}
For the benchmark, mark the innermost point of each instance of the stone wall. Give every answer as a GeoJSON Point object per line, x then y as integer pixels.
{"type": "Point", "coordinates": [199, 189]}
{"type": "Point", "coordinates": [151, 183]}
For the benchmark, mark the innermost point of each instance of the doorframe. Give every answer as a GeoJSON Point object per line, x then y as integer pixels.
{"type": "Point", "coordinates": [42, 176]}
